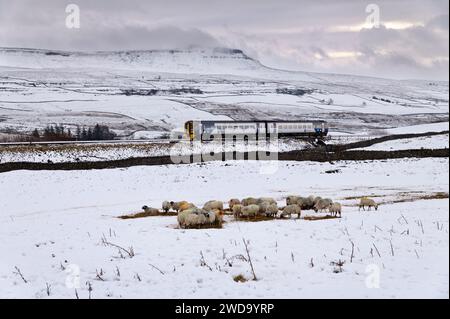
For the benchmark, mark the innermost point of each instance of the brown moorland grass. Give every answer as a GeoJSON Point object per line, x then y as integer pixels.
{"type": "Point", "coordinates": [144, 215]}
{"type": "Point", "coordinates": [315, 218]}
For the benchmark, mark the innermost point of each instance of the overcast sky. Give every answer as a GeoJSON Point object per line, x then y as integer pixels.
{"type": "Point", "coordinates": [412, 40]}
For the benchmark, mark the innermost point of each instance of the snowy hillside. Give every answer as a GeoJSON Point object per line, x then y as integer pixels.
{"type": "Point", "coordinates": [149, 93]}
{"type": "Point", "coordinates": [203, 61]}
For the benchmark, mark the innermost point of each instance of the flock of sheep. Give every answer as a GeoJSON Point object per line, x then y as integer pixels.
{"type": "Point", "coordinates": [211, 214]}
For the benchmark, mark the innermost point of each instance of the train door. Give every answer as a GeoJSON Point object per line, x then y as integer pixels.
{"type": "Point", "coordinates": [189, 127]}
{"type": "Point", "coordinates": [271, 128]}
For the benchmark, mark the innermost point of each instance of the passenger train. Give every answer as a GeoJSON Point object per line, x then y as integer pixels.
{"type": "Point", "coordinates": [251, 130]}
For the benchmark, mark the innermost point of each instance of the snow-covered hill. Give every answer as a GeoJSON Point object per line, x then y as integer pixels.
{"type": "Point", "coordinates": [203, 61]}
{"type": "Point", "coordinates": [148, 93]}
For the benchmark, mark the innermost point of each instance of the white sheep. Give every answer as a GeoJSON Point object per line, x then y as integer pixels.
{"type": "Point", "coordinates": [211, 217]}
{"type": "Point", "coordinates": [237, 210]}
{"type": "Point", "coordinates": [322, 205]}
{"type": "Point", "coordinates": [335, 209]}
{"type": "Point", "coordinates": [232, 202]}
{"type": "Point", "coordinates": [166, 206]}
{"type": "Point", "coordinates": [195, 220]}
{"type": "Point", "coordinates": [290, 210]}
{"type": "Point", "coordinates": [269, 200]}
{"type": "Point", "coordinates": [250, 210]}
{"type": "Point", "coordinates": [292, 200]}
{"type": "Point", "coordinates": [365, 201]}
{"type": "Point", "coordinates": [316, 199]}
{"type": "Point", "coordinates": [268, 208]}
{"type": "Point", "coordinates": [213, 204]}
{"type": "Point", "coordinates": [181, 206]}
{"type": "Point", "coordinates": [272, 210]}
{"type": "Point", "coordinates": [249, 201]}
{"type": "Point", "coordinates": [182, 217]}
{"type": "Point", "coordinates": [151, 211]}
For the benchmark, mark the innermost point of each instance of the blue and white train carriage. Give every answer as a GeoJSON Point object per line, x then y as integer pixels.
{"type": "Point", "coordinates": [251, 130]}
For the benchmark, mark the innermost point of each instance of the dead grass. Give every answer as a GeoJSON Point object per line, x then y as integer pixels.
{"type": "Point", "coordinates": [85, 149]}
{"type": "Point", "coordinates": [315, 218]}
{"type": "Point", "coordinates": [405, 197]}
{"type": "Point", "coordinates": [438, 195]}
{"type": "Point", "coordinates": [145, 215]}
{"type": "Point", "coordinates": [216, 225]}
{"type": "Point", "coordinates": [256, 219]}
{"type": "Point", "coordinates": [359, 197]}
{"type": "Point", "coordinates": [240, 278]}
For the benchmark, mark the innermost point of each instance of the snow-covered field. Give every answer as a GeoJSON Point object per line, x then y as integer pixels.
{"type": "Point", "coordinates": [52, 225]}
{"type": "Point", "coordinates": [427, 142]}
{"type": "Point", "coordinates": [102, 152]}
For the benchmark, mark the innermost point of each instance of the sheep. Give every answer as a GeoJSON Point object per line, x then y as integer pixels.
{"type": "Point", "coordinates": [249, 201]}
{"type": "Point", "coordinates": [195, 220]}
{"type": "Point", "coordinates": [150, 211]}
{"type": "Point", "coordinates": [322, 204]}
{"type": "Point", "coordinates": [316, 199]}
{"type": "Point", "coordinates": [308, 203]}
{"type": "Point", "coordinates": [195, 217]}
{"type": "Point", "coordinates": [263, 207]}
{"type": "Point", "coordinates": [265, 200]}
{"type": "Point", "coordinates": [336, 209]}
{"type": "Point", "coordinates": [181, 206]}
{"type": "Point", "coordinates": [213, 204]}
{"type": "Point", "coordinates": [237, 210]}
{"type": "Point", "coordinates": [292, 200]}
{"type": "Point", "coordinates": [185, 221]}
{"type": "Point", "coordinates": [305, 203]}
{"type": "Point", "coordinates": [291, 209]}
{"type": "Point", "coordinates": [272, 210]}
{"type": "Point", "coordinates": [166, 206]}
{"type": "Point", "coordinates": [250, 210]}
{"type": "Point", "coordinates": [365, 201]}
{"type": "Point", "coordinates": [218, 215]}
{"type": "Point", "coordinates": [268, 208]}
{"type": "Point", "coordinates": [232, 202]}
{"type": "Point", "coordinates": [211, 216]}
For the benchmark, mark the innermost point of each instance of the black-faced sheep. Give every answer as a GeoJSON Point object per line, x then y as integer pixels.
{"type": "Point", "coordinates": [151, 211]}
{"type": "Point", "coordinates": [292, 200]}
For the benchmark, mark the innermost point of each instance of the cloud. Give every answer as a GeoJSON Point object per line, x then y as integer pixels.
{"type": "Point", "coordinates": [325, 36]}
{"type": "Point", "coordinates": [440, 22]}
{"type": "Point", "coordinates": [136, 38]}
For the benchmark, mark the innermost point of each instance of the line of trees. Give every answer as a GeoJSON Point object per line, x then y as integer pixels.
{"type": "Point", "coordinates": [60, 133]}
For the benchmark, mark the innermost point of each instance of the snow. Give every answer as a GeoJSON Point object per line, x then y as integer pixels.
{"type": "Point", "coordinates": [101, 152]}
{"type": "Point", "coordinates": [427, 142]}
{"type": "Point", "coordinates": [423, 128]}
{"type": "Point", "coordinates": [46, 227]}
